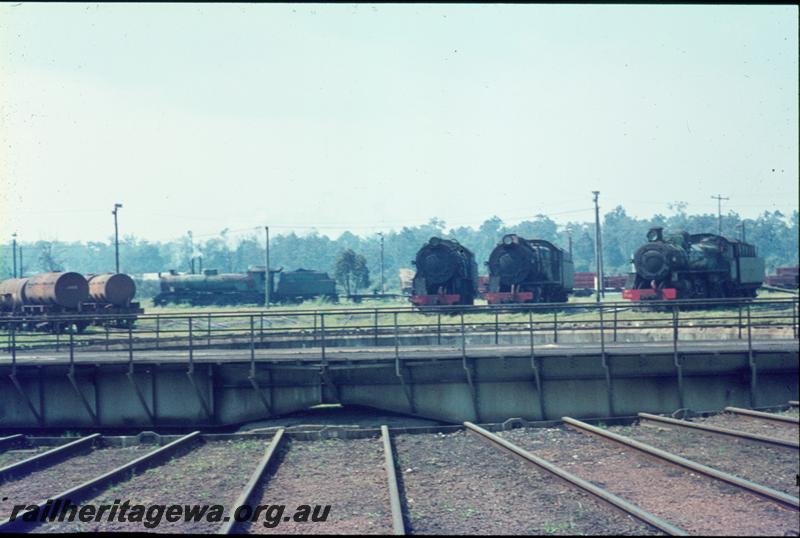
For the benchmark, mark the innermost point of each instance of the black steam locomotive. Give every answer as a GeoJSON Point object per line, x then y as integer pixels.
{"type": "Point", "coordinates": [446, 274]}
{"type": "Point", "coordinates": [527, 271]}
{"type": "Point", "coordinates": [693, 266]}
{"type": "Point", "coordinates": [214, 288]}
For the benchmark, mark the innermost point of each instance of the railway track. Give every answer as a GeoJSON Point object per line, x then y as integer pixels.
{"type": "Point", "coordinates": [571, 480]}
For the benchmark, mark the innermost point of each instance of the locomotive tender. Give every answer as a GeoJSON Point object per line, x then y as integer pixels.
{"type": "Point", "coordinates": [693, 266]}
{"type": "Point", "coordinates": [527, 271]}
{"type": "Point", "coordinates": [212, 287]}
{"type": "Point", "coordinates": [70, 294]}
{"type": "Point", "coordinates": [446, 274]}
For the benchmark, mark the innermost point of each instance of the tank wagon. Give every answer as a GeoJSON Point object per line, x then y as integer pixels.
{"type": "Point", "coordinates": [65, 294]}
{"type": "Point", "coordinates": [528, 271]}
{"type": "Point", "coordinates": [446, 274]}
{"type": "Point", "coordinates": [693, 266]}
{"type": "Point", "coordinates": [212, 287]}
{"type": "Point", "coordinates": [111, 294]}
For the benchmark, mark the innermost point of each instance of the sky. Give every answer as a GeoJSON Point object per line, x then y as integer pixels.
{"type": "Point", "coordinates": [203, 117]}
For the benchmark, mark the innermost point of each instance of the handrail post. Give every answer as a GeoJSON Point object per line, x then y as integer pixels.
{"type": "Point", "coordinates": [208, 339]}
{"type": "Point", "coordinates": [438, 328]}
{"type": "Point", "coordinates": [555, 327]}
{"type": "Point", "coordinates": [105, 325]}
{"type": "Point", "coordinates": [314, 334]}
{"type": "Point", "coordinates": [740, 321]}
{"type": "Point", "coordinates": [496, 327]}
{"type": "Point", "coordinates": [322, 334]}
{"type": "Point", "coordinates": [674, 327]}
{"type": "Point", "coordinates": [71, 349]}
{"type": "Point", "coordinates": [463, 336]}
{"type": "Point", "coordinates": [676, 358]}
{"type": "Point", "coordinates": [396, 339]}
{"type": "Point", "coordinates": [616, 309]}
{"type": "Point", "coordinates": [191, 345]}
{"type": "Point", "coordinates": [158, 329]}
{"type": "Point", "coordinates": [130, 344]}
{"type": "Point", "coordinates": [252, 346]}
{"type": "Point", "coordinates": [751, 363]}
{"type": "Point", "coordinates": [376, 327]}
{"type": "Point", "coordinates": [749, 334]}
{"type": "Point", "coordinates": [13, 341]}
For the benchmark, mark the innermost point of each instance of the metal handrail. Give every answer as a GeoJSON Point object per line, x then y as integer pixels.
{"type": "Point", "coordinates": [166, 331]}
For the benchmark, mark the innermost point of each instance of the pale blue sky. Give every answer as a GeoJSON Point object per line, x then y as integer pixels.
{"type": "Point", "coordinates": [210, 116]}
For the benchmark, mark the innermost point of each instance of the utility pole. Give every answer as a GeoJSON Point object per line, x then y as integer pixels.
{"type": "Point", "coordinates": [116, 236]}
{"type": "Point", "coordinates": [14, 252]}
{"type": "Point", "coordinates": [267, 279]}
{"type": "Point", "coordinates": [569, 235]}
{"type": "Point", "coordinates": [719, 198]}
{"type": "Point", "coordinates": [21, 266]}
{"type": "Point", "coordinates": [741, 225]}
{"type": "Point", "coordinates": [598, 255]}
{"type": "Point", "coordinates": [191, 251]}
{"type": "Point", "coordinates": [382, 287]}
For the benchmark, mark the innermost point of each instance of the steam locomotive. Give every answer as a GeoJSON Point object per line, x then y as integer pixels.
{"type": "Point", "coordinates": [527, 271]}
{"type": "Point", "coordinates": [446, 274]}
{"type": "Point", "coordinates": [40, 297]}
{"type": "Point", "coordinates": [693, 266]}
{"type": "Point", "coordinates": [212, 287]}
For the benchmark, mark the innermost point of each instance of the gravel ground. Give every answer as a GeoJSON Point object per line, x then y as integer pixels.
{"type": "Point", "coordinates": [752, 425]}
{"type": "Point", "coordinates": [696, 504]}
{"type": "Point", "coordinates": [774, 467]}
{"type": "Point", "coordinates": [44, 483]}
{"type": "Point", "coordinates": [350, 476]}
{"type": "Point", "coordinates": [10, 457]}
{"type": "Point", "coordinates": [211, 473]}
{"type": "Point", "coordinates": [457, 484]}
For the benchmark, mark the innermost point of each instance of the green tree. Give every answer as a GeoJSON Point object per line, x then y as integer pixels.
{"type": "Point", "coordinates": [351, 271]}
{"type": "Point", "coordinates": [47, 258]}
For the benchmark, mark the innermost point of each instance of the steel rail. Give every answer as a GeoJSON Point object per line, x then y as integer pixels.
{"type": "Point", "coordinates": [572, 480]}
{"type": "Point", "coordinates": [752, 487]}
{"type": "Point", "coordinates": [398, 525]}
{"type": "Point", "coordinates": [259, 472]}
{"type": "Point", "coordinates": [46, 459]}
{"type": "Point", "coordinates": [759, 414]}
{"type": "Point", "coordinates": [82, 491]}
{"type": "Point", "coordinates": [11, 440]}
{"type": "Point", "coordinates": [647, 417]}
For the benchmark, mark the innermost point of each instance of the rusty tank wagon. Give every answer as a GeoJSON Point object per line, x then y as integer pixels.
{"type": "Point", "coordinates": [69, 297]}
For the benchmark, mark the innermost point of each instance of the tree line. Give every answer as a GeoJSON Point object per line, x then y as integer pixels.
{"type": "Point", "coordinates": [774, 234]}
